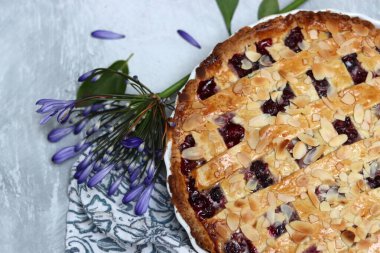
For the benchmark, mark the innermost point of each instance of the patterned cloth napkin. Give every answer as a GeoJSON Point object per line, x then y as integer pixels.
{"type": "Point", "coordinates": [97, 223]}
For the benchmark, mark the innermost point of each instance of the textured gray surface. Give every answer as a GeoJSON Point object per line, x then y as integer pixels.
{"type": "Point", "coordinates": [45, 45]}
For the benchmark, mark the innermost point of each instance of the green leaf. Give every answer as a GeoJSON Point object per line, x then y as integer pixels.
{"type": "Point", "coordinates": [108, 82]}
{"type": "Point", "coordinates": [268, 7]}
{"type": "Point", "coordinates": [293, 5]}
{"type": "Point", "coordinates": [227, 8]}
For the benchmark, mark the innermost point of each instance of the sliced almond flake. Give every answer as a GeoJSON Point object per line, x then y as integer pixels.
{"type": "Point", "coordinates": [327, 130]}
{"type": "Point", "coordinates": [314, 154]}
{"type": "Point", "coordinates": [276, 76]}
{"type": "Point", "coordinates": [343, 177]}
{"type": "Point", "coordinates": [338, 140]}
{"type": "Point", "coordinates": [193, 122]}
{"type": "Point", "coordinates": [301, 101]}
{"type": "Point", "coordinates": [335, 213]}
{"type": "Point", "coordinates": [252, 55]}
{"type": "Point", "coordinates": [303, 45]}
{"type": "Point", "coordinates": [299, 150]}
{"type": "Point", "coordinates": [271, 199]}
{"type": "Point", "coordinates": [316, 117]}
{"type": "Point", "coordinates": [250, 232]}
{"type": "Point", "coordinates": [260, 120]}
{"type": "Point", "coordinates": [303, 195]}
{"type": "Point", "coordinates": [271, 242]}
{"type": "Point", "coordinates": [193, 153]}
{"type": "Point", "coordinates": [253, 138]}
{"type": "Point", "coordinates": [339, 243]}
{"type": "Point", "coordinates": [244, 159]}
{"type": "Point", "coordinates": [294, 122]}
{"type": "Point", "coordinates": [309, 140]}
{"type": "Point", "coordinates": [286, 198]}
{"type": "Point", "coordinates": [265, 61]}
{"type": "Point", "coordinates": [328, 103]}
{"type": "Point", "coordinates": [222, 230]}
{"type": "Point", "coordinates": [358, 113]}
{"type": "Point", "coordinates": [324, 206]}
{"type": "Point", "coordinates": [302, 226]}
{"type": "Point", "coordinates": [251, 106]}
{"type": "Point", "coordinates": [369, 77]}
{"type": "Point", "coordinates": [302, 181]}
{"type": "Point", "coordinates": [246, 64]}
{"type": "Point", "coordinates": [313, 218]}
{"type": "Point", "coordinates": [313, 34]}
{"type": "Point", "coordinates": [322, 175]}
{"type": "Point", "coordinates": [339, 116]}
{"type": "Point", "coordinates": [348, 98]}
{"type": "Point", "coordinates": [233, 221]}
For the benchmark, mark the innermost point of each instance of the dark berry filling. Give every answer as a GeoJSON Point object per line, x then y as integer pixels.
{"type": "Point", "coordinates": [236, 62]}
{"type": "Point", "coordinates": [232, 133]}
{"type": "Point", "coordinates": [259, 175]}
{"type": "Point", "coordinates": [354, 67]}
{"type": "Point", "coordinates": [278, 228]}
{"type": "Point", "coordinates": [273, 108]}
{"type": "Point", "coordinates": [326, 192]}
{"type": "Point", "coordinates": [188, 165]}
{"type": "Point", "coordinates": [206, 89]}
{"type": "Point", "coordinates": [261, 48]}
{"type": "Point", "coordinates": [262, 45]}
{"type": "Point", "coordinates": [374, 178]}
{"type": "Point", "coordinates": [205, 203]}
{"type": "Point", "coordinates": [348, 128]}
{"type": "Point", "coordinates": [239, 244]}
{"type": "Point", "coordinates": [312, 249]}
{"type": "Point", "coordinates": [321, 86]}
{"type": "Point", "coordinates": [294, 38]}
{"type": "Point", "coordinates": [187, 143]}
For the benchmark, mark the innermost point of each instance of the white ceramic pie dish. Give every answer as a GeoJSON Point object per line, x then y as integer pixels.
{"type": "Point", "coordinates": [167, 155]}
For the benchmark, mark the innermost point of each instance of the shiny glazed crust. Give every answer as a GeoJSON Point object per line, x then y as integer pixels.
{"type": "Point", "coordinates": [268, 140]}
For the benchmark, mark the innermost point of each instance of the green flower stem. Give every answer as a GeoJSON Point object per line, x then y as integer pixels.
{"type": "Point", "coordinates": [293, 5]}
{"type": "Point", "coordinates": [174, 87]}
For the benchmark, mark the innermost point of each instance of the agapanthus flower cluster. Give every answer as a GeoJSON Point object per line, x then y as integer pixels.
{"type": "Point", "coordinates": [123, 133]}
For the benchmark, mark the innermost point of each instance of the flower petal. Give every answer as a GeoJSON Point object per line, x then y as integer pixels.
{"type": "Point", "coordinates": [132, 142]}
{"type": "Point", "coordinates": [106, 35]}
{"type": "Point", "coordinates": [114, 186]}
{"type": "Point", "coordinates": [57, 134]}
{"type": "Point", "coordinates": [189, 38]}
{"type": "Point", "coordinates": [133, 194]}
{"type": "Point", "coordinates": [64, 115]}
{"type": "Point", "coordinates": [99, 176]}
{"type": "Point", "coordinates": [143, 202]}
{"type": "Point", "coordinates": [84, 76]}
{"type": "Point", "coordinates": [64, 154]}
{"type": "Point", "coordinates": [83, 175]}
{"type": "Point", "coordinates": [135, 174]}
{"type": "Point", "coordinates": [45, 119]}
{"type": "Point", "coordinates": [80, 125]}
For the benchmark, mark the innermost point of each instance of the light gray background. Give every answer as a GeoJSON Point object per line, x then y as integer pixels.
{"type": "Point", "coordinates": [45, 45]}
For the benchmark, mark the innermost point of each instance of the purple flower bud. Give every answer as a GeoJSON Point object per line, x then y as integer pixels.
{"type": "Point", "coordinates": [83, 175]}
{"type": "Point", "coordinates": [106, 35]}
{"type": "Point", "coordinates": [85, 162]}
{"type": "Point", "coordinates": [80, 125]}
{"type": "Point", "coordinates": [81, 146]}
{"type": "Point", "coordinates": [97, 107]}
{"type": "Point", "coordinates": [98, 165]}
{"type": "Point", "coordinates": [47, 118]}
{"type": "Point", "coordinates": [114, 186]}
{"type": "Point", "coordinates": [57, 134]}
{"type": "Point", "coordinates": [99, 176]}
{"type": "Point", "coordinates": [64, 114]}
{"type": "Point", "coordinates": [64, 154]}
{"type": "Point", "coordinates": [86, 75]}
{"type": "Point", "coordinates": [86, 111]}
{"type": "Point", "coordinates": [189, 38]}
{"type": "Point", "coordinates": [143, 202]}
{"type": "Point", "coordinates": [135, 174]}
{"type": "Point", "coordinates": [141, 147]}
{"type": "Point", "coordinates": [132, 142]}
{"type": "Point", "coordinates": [133, 194]}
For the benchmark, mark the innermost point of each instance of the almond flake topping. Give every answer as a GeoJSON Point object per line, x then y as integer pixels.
{"type": "Point", "coordinates": [193, 153]}
{"type": "Point", "coordinates": [348, 99]}
{"type": "Point", "coordinates": [299, 150]}
{"type": "Point", "coordinates": [302, 226]}
{"type": "Point", "coordinates": [252, 55]}
{"type": "Point", "coordinates": [338, 140]}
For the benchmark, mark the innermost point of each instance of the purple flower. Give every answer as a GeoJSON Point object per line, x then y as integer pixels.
{"type": "Point", "coordinates": [189, 38]}
{"type": "Point", "coordinates": [54, 106]}
{"type": "Point", "coordinates": [99, 176]}
{"type": "Point", "coordinates": [106, 35]}
{"type": "Point", "coordinates": [86, 75]}
{"type": "Point", "coordinates": [143, 202]}
{"type": "Point", "coordinates": [83, 174]}
{"type": "Point", "coordinates": [64, 154]}
{"type": "Point", "coordinates": [114, 186]}
{"type": "Point", "coordinates": [57, 134]}
{"type": "Point", "coordinates": [80, 125]}
{"type": "Point", "coordinates": [81, 146]}
{"type": "Point", "coordinates": [136, 172]}
{"type": "Point", "coordinates": [47, 118]}
{"type": "Point", "coordinates": [85, 162]}
{"type": "Point", "coordinates": [132, 142]}
{"type": "Point", "coordinates": [133, 193]}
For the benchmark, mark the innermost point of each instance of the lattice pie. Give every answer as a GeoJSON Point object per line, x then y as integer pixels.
{"type": "Point", "coordinates": [276, 144]}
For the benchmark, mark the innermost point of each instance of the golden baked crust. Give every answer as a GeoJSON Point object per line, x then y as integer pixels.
{"type": "Point", "coordinates": [301, 143]}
